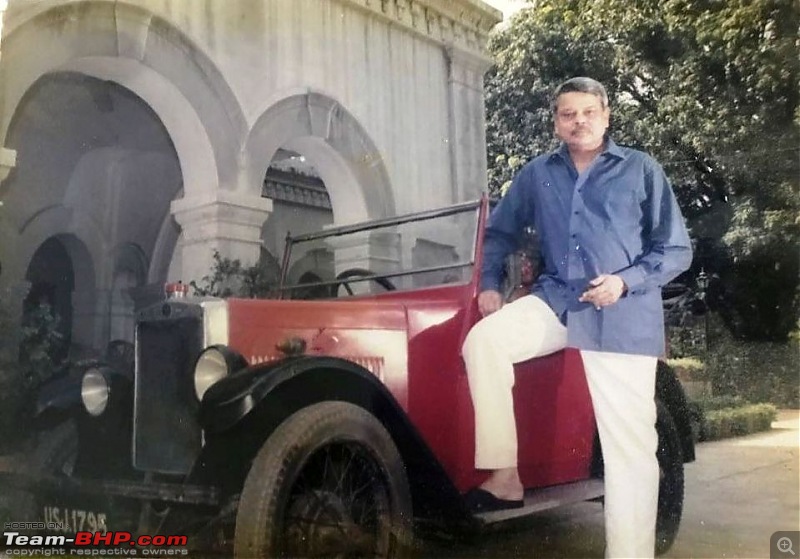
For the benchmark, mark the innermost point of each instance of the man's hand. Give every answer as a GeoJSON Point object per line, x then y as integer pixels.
{"type": "Point", "coordinates": [604, 290]}
{"type": "Point", "coordinates": [489, 301]}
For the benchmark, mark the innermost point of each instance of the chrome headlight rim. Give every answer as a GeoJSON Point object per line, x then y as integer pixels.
{"type": "Point", "coordinates": [95, 391]}
{"type": "Point", "coordinates": [213, 364]}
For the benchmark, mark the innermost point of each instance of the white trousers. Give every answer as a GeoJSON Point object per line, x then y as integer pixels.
{"type": "Point", "coordinates": [622, 388]}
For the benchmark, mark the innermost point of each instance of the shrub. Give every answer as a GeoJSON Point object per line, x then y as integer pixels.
{"type": "Point", "coordinates": [688, 368]}
{"type": "Point", "coordinates": [28, 357]}
{"type": "Point", "coordinates": [754, 371]}
{"type": "Point", "coordinates": [714, 403]}
{"type": "Point", "coordinates": [230, 278]}
{"type": "Point", "coordinates": [732, 422]}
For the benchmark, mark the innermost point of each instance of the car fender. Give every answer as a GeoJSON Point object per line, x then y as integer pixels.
{"type": "Point", "coordinates": [239, 413]}
{"type": "Point", "coordinates": [57, 400]}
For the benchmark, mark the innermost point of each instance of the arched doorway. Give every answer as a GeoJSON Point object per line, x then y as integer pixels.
{"type": "Point", "coordinates": [320, 167]}
{"type": "Point", "coordinates": [52, 282]}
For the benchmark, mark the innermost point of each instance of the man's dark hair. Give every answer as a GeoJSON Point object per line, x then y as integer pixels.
{"type": "Point", "coordinates": [581, 85]}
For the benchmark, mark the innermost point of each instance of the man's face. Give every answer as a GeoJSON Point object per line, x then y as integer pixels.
{"type": "Point", "coordinates": [581, 121]}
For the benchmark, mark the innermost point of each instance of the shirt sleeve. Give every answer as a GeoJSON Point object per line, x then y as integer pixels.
{"type": "Point", "coordinates": [668, 250]}
{"type": "Point", "coordinates": [505, 229]}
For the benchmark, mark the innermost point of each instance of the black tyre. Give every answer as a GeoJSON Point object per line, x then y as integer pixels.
{"type": "Point", "coordinates": [329, 482]}
{"type": "Point", "coordinates": [670, 489]}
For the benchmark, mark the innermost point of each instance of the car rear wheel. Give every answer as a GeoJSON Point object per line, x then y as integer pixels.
{"type": "Point", "coordinates": [329, 482]}
{"type": "Point", "coordinates": [670, 489]}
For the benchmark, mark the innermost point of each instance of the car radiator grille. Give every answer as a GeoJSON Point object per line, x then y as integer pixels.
{"type": "Point", "coordinates": [167, 436]}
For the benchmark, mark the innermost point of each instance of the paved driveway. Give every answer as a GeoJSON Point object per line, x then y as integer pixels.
{"type": "Point", "coordinates": [738, 492]}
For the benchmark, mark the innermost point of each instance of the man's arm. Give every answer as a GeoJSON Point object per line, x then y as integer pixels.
{"type": "Point", "coordinates": [502, 237]}
{"type": "Point", "coordinates": [668, 250]}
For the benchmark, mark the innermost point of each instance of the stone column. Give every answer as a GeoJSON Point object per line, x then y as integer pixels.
{"type": "Point", "coordinates": [8, 160]}
{"type": "Point", "coordinates": [467, 123]}
{"type": "Point", "coordinates": [225, 221]}
{"type": "Point", "coordinates": [8, 157]}
{"type": "Point", "coordinates": [434, 243]}
{"type": "Point", "coordinates": [90, 308]}
{"type": "Point", "coordinates": [376, 251]}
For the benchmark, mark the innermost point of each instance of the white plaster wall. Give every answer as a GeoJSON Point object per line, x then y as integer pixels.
{"type": "Point", "coordinates": [396, 83]}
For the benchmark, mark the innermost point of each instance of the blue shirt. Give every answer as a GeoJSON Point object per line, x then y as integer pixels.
{"type": "Point", "coordinates": [618, 217]}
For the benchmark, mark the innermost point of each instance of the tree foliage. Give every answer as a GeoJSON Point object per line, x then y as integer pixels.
{"type": "Point", "coordinates": [711, 89]}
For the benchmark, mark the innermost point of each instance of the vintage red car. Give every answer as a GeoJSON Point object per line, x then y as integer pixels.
{"type": "Point", "coordinates": [333, 420]}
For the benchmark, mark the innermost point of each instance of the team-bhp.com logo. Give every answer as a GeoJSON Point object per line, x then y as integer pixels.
{"type": "Point", "coordinates": [95, 544]}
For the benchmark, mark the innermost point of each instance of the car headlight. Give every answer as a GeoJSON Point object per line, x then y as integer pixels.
{"type": "Point", "coordinates": [95, 392]}
{"type": "Point", "coordinates": [215, 363]}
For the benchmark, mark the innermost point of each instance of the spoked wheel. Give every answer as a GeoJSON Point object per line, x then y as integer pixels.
{"type": "Point", "coordinates": [328, 483]}
{"type": "Point", "coordinates": [670, 487]}
{"type": "Point", "coordinates": [354, 273]}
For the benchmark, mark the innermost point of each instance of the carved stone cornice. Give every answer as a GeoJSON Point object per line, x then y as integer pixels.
{"type": "Point", "coordinates": [296, 188]}
{"type": "Point", "coordinates": [460, 24]}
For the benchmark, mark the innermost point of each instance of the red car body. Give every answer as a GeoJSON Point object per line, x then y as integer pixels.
{"type": "Point", "coordinates": [411, 342]}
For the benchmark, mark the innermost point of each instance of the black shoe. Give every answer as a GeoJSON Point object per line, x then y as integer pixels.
{"type": "Point", "coordinates": [479, 500]}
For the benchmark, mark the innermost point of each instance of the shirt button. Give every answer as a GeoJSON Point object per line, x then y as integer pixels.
{"type": "Point", "coordinates": [577, 212]}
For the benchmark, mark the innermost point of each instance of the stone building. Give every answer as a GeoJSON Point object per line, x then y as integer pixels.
{"type": "Point", "coordinates": [138, 136]}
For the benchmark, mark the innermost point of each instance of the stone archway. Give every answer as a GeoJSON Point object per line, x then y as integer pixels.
{"type": "Point", "coordinates": [56, 268]}
{"type": "Point", "coordinates": [145, 54]}
{"type": "Point", "coordinates": [338, 146]}
{"type": "Point", "coordinates": [52, 280]}
{"type": "Point", "coordinates": [128, 46]}
{"type": "Point", "coordinates": [343, 157]}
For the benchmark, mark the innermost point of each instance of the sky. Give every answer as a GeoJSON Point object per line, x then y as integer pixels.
{"type": "Point", "coordinates": [508, 7]}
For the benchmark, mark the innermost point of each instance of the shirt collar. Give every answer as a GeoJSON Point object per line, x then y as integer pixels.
{"type": "Point", "coordinates": [611, 149]}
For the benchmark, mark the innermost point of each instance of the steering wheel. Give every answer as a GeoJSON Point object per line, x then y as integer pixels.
{"type": "Point", "coordinates": [359, 273]}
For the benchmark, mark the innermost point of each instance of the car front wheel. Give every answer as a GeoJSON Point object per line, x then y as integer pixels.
{"type": "Point", "coordinates": [329, 482]}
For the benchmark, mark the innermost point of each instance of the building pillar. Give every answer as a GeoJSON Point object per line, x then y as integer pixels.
{"type": "Point", "coordinates": [224, 221]}
{"type": "Point", "coordinates": [8, 160]}
{"type": "Point", "coordinates": [467, 123]}
{"type": "Point", "coordinates": [8, 157]}
{"type": "Point", "coordinates": [90, 308]}
{"type": "Point", "coordinates": [379, 252]}
{"type": "Point", "coordinates": [436, 243]}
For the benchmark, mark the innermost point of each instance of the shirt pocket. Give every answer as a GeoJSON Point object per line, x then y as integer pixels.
{"type": "Point", "coordinates": [621, 201]}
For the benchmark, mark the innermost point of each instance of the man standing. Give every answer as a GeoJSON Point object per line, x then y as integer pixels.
{"type": "Point", "coordinates": [611, 236]}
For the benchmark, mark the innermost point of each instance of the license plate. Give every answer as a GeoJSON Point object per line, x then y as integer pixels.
{"type": "Point", "coordinates": [67, 520]}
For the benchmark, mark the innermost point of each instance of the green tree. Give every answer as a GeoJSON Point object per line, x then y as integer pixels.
{"type": "Point", "coordinates": [711, 90]}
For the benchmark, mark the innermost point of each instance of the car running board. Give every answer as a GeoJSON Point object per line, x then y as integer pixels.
{"type": "Point", "coordinates": [538, 500]}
